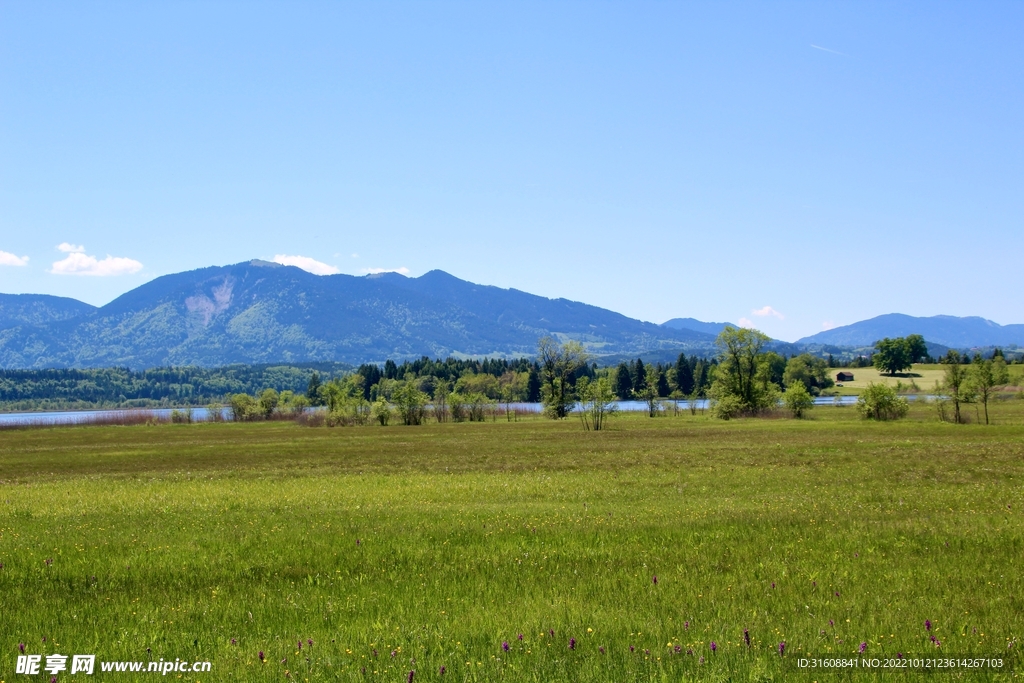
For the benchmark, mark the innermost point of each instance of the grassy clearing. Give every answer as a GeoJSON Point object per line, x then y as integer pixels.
{"type": "Point", "coordinates": [439, 543]}
{"type": "Point", "coordinates": [923, 375]}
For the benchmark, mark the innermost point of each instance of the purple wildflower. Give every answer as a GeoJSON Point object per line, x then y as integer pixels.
{"type": "Point", "coordinates": [53, 679]}
{"type": "Point", "coordinates": [927, 625]}
{"type": "Point", "coordinates": [263, 658]}
{"type": "Point", "coordinates": [773, 584]}
{"type": "Point", "coordinates": [837, 594]}
{"type": "Point", "coordinates": [632, 649]}
{"type": "Point", "coordinates": [782, 648]}
{"type": "Point", "coordinates": [678, 649]}
{"type": "Point", "coordinates": [48, 561]}
{"type": "Point", "coordinates": [863, 646]}
{"type": "Point", "coordinates": [375, 652]}
{"type": "Point", "coordinates": [440, 672]}
{"type": "Point", "coordinates": [601, 649]}
{"type": "Point", "coordinates": [646, 651]}
{"type": "Point", "coordinates": [309, 642]}
{"type": "Point", "coordinates": [713, 646]}
{"type": "Point", "coordinates": [572, 643]}
{"type": "Point", "coordinates": [655, 579]}
{"type": "Point", "coordinates": [552, 632]}
{"type": "Point", "coordinates": [300, 645]}
{"type": "Point", "coordinates": [504, 645]}
{"type": "Point", "coordinates": [831, 623]}
{"type": "Point", "coordinates": [520, 636]}
{"type": "Point", "coordinates": [44, 639]}
{"type": "Point", "coordinates": [358, 542]}
{"type": "Point", "coordinates": [686, 625]}
{"type": "Point", "coordinates": [899, 655]}
{"type": "Point", "coordinates": [409, 678]}
{"type": "Point", "coordinates": [21, 646]}
{"type": "Point", "coordinates": [234, 642]}
{"type": "Point", "coordinates": [689, 650]}
{"type": "Point", "coordinates": [393, 653]}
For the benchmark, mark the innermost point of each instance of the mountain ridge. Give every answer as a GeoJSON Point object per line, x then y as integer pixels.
{"type": "Point", "coordinates": [947, 330]}
{"type": "Point", "coordinates": [259, 312]}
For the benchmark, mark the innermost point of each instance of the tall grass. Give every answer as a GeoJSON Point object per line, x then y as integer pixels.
{"type": "Point", "coordinates": [411, 548]}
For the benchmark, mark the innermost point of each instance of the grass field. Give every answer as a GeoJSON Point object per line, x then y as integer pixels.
{"type": "Point", "coordinates": [405, 549]}
{"type": "Point", "coordinates": [923, 375]}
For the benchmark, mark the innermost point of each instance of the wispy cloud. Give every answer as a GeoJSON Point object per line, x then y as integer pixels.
{"type": "Point", "coordinates": [825, 49]}
{"type": "Point", "coordinates": [9, 259]}
{"type": "Point", "coordinates": [307, 264]}
{"type": "Point", "coordinates": [375, 271]}
{"type": "Point", "coordinates": [79, 263]}
{"type": "Point", "coordinates": [828, 325]}
{"type": "Point", "coordinates": [766, 311]}
{"type": "Point", "coordinates": [746, 322]}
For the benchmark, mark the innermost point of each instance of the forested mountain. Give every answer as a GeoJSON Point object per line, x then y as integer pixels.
{"type": "Point", "coordinates": [260, 312]}
{"type": "Point", "coordinates": [696, 325]}
{"type": "Point", "coordinates": [38, 309]}
{"type": "Point", "coordinates": [947, 330]}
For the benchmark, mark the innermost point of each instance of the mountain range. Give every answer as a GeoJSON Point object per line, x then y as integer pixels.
{"type": "Point", "coordinates": [947, 330]}
{"type": "Point", "coordinates": [261, 312]}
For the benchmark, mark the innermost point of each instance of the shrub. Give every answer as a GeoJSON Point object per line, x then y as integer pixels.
{"type": "Point", "coordinates": [727, 407]}
{"type": "Point", "coordinates": [797, 399]}
{"type": "Point", "coordinates": [381, 412]}
{"type": "Point", "coordinates": [881, 402]}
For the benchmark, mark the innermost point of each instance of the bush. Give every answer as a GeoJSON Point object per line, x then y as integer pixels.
{"type": "Point", "coordinates": [797, 399]}
{"type": "Point", "coordinates": [727, 407]}
{"type": "Point", "coordinates": [381, 412]}
{"type": "Point", "coordinates": [881, 402]}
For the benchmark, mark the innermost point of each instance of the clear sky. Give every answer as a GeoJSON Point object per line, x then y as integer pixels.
{"type": "Point", "coordinates": [792, 165]}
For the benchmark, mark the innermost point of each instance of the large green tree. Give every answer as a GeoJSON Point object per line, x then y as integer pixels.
{"type": "Point", "coordinates": [742, 383]}
{"type": "Point", "coordinates": [684, 375]}
{"type": "Point", "coordinates": [896, 355]}
{"type": "Point", "coordinates": [809, 371]}
{"type": "Point", "coordinates": [559, 363]}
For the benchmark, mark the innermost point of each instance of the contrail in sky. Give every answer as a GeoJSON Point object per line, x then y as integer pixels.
{"type": "Point", "coordinates": [835, 52]}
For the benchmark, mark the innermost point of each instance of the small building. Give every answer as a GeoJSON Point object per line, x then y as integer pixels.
{"type": "Point", "coordinates": [844, 376]}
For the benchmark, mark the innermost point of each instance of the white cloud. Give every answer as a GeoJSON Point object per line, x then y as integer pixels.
{"type": "Point", "coordinates": [828, 325]}
{"type": "Point", "coordinates": [307, 264]}
{"type": "Point", "coordinates": [70, 248]}
{"type": "Point", "coordinates": [744, 322]}
{"type": "Point", "coordinates": [8, 259]}
{"type": "Point", "coordinates": [768, 310]}
{"type": "Point", "coordinates": [78, 263]}
{"type": "Point", "coordinates": [354, 255]}
{"type": "Point", "coordinates": [375, 271]}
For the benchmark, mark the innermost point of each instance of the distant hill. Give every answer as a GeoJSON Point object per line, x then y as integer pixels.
{"type": "Point", "coordinates": [260, 312]}
{"type": "Point", "coordinates": [696, 325]}
{"type": "Point", "coordinates": [947, 330]}
{"type": "Point", "coordinates": [39, 309]}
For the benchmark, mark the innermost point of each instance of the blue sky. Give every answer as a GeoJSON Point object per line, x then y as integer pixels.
{"type": "Point", "coordinates": [793, 166]}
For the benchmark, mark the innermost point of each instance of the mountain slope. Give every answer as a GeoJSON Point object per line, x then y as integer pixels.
{"type": "Point", "coordinates": [38, 309]}
{"type": "Point", "coordinates": [696, 325]}
{"type": "Point", "coordinates": [259, 312]}
{"type": "Point", "coordinates": [947, 330]}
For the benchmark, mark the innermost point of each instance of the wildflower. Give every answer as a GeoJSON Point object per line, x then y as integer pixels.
{"type": "Point", "coordinates": [309, 641]}
{"type": "Point", "coordinates": [53, 679]}
{"type": "Point", "coordinates": [655, 579]}
{"type": "Point", "coordinates": [409, 678]}
{"type": "Point", "coordinates": [21, 646]}
{"type": "Point", "coordinates": [358, 542]}
{"type": "Point", "coordinates": [686, 625]}
{"type": "Point", "coordinates": [702, 659]}
{"type": "Point", "coordinates": [837, 594]}
{"type": "Point", "coordinates": [48, 561]}
{"type": "Point", "coordinates": [831, 623]}
{"type": "Point", "coordinates": [899, 655]}
{"type": "Point", "coordinates": [504, 645]}
{"type": "Point", "coordinates": [632, 649]}
{"type": "Point", "coordinates": [234, 642]}
{"type": "Point", "coordinates": [646, 651]}
{"type": "Point", "coordinates": [773, 584]}
{"type": "Point", "coordinates": [263, 659]}
{"type": "Point", "coordinates": [393, 653]}
{"type": "Point", "coordinates": [601, 649]}
{"type": "Point", "coordinates": [552, 632]}
{"type": "Point", "coordinates": [782, 648]}
{"type": "Point", "coordinates": [520, 636]}
{"type": "Point", "coordinates": [746, 637]}
{"type": "Point", "coordinates": [300, 645]}
{"type": "Point", "coordinates": [375, 652]}
{"type": "Point", "coordinates": [713, 646]}
{"type": "Point", "coordinates": [927, 625]}
{"type": "Point", "coordinates": [572, 643]}
{"type": "Point", "coordinates": [689, 651]}
{"type": "Point", "coordinates": [863, 646]}
{"type": "Point", "coordinates": [440, 672]}
{"type": "Point", "coordinates": [678, 649]}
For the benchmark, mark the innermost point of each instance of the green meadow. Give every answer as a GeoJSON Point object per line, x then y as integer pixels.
{"type": "Point", "coordinates": [618, 555]}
